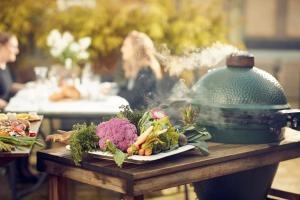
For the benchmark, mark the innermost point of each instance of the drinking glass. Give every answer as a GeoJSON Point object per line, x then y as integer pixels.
{"type": "Point", "coordinates": [40, 73]}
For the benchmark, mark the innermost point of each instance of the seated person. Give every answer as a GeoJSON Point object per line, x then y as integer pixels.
{"type": "Point", "coordinates": [8, 52]}
{"type": "Point", "coordinates": [141, 70]}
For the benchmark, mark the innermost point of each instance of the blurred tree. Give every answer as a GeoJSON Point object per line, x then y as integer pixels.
{"type": "Point", "coordinates": [181, 24]}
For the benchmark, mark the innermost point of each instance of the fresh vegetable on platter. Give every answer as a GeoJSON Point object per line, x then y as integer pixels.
{"type": "Point", "coordinates": [120, 132]}
{"type": "Point", "coordinates": [82, 139]}
{"type": "Point", "coordinates": [136, 133]}
{"type": "Point", "coordinates": [195, 134]}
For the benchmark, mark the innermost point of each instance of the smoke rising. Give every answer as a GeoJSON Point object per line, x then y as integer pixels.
{"type": "Point", "coordinates": [202, 57]}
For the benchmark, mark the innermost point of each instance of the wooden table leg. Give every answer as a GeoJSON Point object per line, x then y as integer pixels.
{"type": "Point", "coordinates": [57, 188]}
{"type": "Point", "coordinates": [128, 197]}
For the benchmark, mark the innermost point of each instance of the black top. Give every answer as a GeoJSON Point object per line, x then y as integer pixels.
{"type": "Point", "coordinates": [143, 90]}
{"type": "Point", "coordinates": [5, 83]}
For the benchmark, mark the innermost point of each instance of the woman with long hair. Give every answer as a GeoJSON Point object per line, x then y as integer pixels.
{"type": "Point", "coordinates": [141, 69]}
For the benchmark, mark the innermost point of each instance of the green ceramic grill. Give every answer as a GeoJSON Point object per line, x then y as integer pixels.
{"type": "Point", "coordinates": [240, 103]}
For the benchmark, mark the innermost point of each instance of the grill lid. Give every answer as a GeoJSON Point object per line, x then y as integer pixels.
{"type": "Point", "coordinates": [239, 85]}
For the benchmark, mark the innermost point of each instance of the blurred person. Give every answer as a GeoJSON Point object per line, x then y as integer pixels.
{"type": "Point", "coordinates": [141, 69]}
{"type": "Point", "coordinates": [9, 50]}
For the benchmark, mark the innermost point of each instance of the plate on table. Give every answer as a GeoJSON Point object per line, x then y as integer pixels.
{"type": "Point", "coordinates": [32, 117]}
{"type": "Point", "coordinates": [141, 159]}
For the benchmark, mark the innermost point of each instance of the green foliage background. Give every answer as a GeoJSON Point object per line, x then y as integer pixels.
{"type": "Point", "coordinates": [181, 24]}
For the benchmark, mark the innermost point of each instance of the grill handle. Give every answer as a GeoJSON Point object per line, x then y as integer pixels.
{"type": "Point", "coordinates": [290, 118]}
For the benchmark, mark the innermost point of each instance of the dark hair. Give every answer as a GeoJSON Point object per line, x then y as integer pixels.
{"type": "Point", "coordinates": [5, 37]}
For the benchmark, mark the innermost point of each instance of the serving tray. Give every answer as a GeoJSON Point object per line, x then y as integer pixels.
{"type": "Point", "coordinates": [140, 159]}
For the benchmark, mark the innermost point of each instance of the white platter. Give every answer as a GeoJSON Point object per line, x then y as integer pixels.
{"type": "Point", "coordinates": [141, 159]}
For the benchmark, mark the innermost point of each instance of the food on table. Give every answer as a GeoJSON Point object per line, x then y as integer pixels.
{"type": "Point", "coordinates": [20, 116]}
{"type": "Point", "coordinates": [28, 116]}
{"type": "Point", "coordinates": [10, 143]}
{"type": "Point", "coordinates": [120, 132]}
{"type": "Point", "coordinates": [182, 140]}
{"type": "Point", "coordinates": [149, 117]}
{"type": "Point", "coordinates": [131, 133]}
{"type": "Point", "coordinates": [4, 147]}
{"type": "Point", "coordinates": [14, 127]}
{"type": "Point", "coordinates": [133, 116]}
{"type": "Point", "coordinates": [83, 139]}
{"type": "Point", "coordinates": [66, 92]}
{"type": "Point", "coordinates": [4, 133]}
{"type": "Point", "coordinates": [3, 116]}
{"type": "Point", "coordinates": [56, 96]}
{"type": "Point", "coordinates": [15, 133]}
{"type": "Point", "coordinates": [71, 92]}
{"type": "Point", "coordinates": [140, 140]}
{"type": "Point", "coordinates": [195, 134]}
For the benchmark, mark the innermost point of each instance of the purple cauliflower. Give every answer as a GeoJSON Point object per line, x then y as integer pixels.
{"type": "Point", "coordinates": [120, 132]}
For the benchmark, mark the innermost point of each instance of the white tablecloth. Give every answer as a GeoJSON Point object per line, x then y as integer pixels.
{"type": "Point", "coordinates": [35, 99]}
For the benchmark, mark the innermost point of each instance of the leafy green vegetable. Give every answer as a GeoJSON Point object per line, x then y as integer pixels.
{"type": "Point", "coordinates": [160, 141]}
{"type": "Point", "coordinates": [83, 139]}
{"type": "Point", "coordinates": [119, 156]}
{"type": "Point", "coordinates": [201, 146]}
{"type": "Point", "coordinates": [145, 122]}
{"type": "Point", "coordinates": [196, 136]}
{"type": "Point", "coordinates": [133, 116]}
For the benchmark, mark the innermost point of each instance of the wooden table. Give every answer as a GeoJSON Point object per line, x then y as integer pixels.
{"type": "Point", "coordinates": [136, 180]}
{"type": "Point", "coordinates": [6, 157]}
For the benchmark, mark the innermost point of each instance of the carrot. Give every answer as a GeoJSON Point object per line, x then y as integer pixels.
{"type": "Point", "coordinates": [3, 133]}
{"type": "Point", "coordinates": [129, 150]}
{"type": "Point", "coordinates": [148, 152]}
{"type": "Point", "coordinates": [132, 149]}
{"type": "Point", "coordinates": [142, 138]}
{"type": "Point", "coordinates": [142, 152]}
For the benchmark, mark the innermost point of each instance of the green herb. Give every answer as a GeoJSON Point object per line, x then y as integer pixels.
{"type": "Point", "coordinates": [83, 139]}
{"type": "Point", "coordinates": [133, 116]}
{"type": "Point", "coordinates": [6, 147]}
{"type": "Point", "coordinates": [119, 156]}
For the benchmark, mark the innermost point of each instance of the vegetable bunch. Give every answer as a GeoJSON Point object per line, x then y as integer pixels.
{"type": "Point", "coordinates": [8, 143]}
{"type": "Point", "coordinates": [158, 134]}
{"type": "Point", "coordinates": [83, 139]}
{"type": "Point", "coordinates": [195, 134]}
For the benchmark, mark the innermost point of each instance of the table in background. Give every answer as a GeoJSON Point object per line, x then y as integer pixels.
{"type": "Point", "coordinates": [133, 181]}
{"type": "Point", "coordinates": [7, 157]}
{"type": "Point", "coordinates": [35, 99]}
